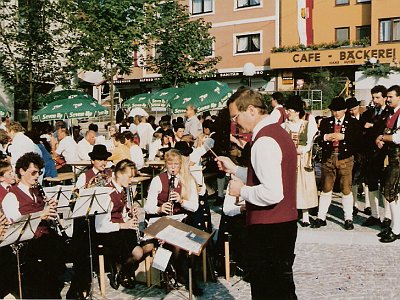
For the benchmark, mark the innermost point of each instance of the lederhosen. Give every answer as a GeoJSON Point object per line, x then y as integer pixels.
{"type": "Point", "coordinates": [391, 186]}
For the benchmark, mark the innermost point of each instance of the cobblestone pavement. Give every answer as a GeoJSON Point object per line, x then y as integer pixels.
{"type": "Point", "coordinates": [331, 263]}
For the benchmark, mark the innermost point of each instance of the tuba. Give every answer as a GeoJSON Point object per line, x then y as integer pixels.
{"type": "Point", "coordinates": [101, 179]}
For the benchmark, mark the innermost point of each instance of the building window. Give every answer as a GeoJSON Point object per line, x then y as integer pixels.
{"type": "Point", "coordinates": [201, 6]}
{"type": "Point", "coordinates": [248, 43]}
{"type": "Point", "coordinates": [247, 3]}
{"type": "Point", "coordinates": [363, 1]}
{"type": "Point", "coordinates": [342, 2]}
{"type": "Point", "coordinates": [389, 30]}
{"type": "Point", "coordinates": [363, 32]}
{"type": "Point", "coordinates": [342, 34]}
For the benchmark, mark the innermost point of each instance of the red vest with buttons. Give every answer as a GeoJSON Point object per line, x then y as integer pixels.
{"type": "Point", "coordinates": [3, 193]}
{"type": "Point", "coordinates": [89, 174]}
{"type": "Point", "coordinates": [163, 195]}
{"type": "Point", "coordinates": [118, 201]}
{"type": "Point", "coordinates": [285, 210]}
{"type": "Point", "coordinates": [28, 206]}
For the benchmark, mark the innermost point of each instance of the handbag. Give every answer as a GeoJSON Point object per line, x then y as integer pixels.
{"type": "Point", "coordinates": [60, 162]}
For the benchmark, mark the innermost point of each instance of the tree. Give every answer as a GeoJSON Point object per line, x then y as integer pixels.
{"type": "Point", "coordinates": [106, 33]}
{"type": "Point", "coordinates": [183, 47]}
{"type": "Point", "coordinates": [31, 48]}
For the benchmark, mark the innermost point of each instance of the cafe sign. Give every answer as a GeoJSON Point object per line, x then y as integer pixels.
{"type": "Point", "coordinates": [335, 57]}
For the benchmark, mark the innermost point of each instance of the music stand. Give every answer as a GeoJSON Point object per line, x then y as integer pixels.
{"type": "Point", "coordinates": [20, 231]}
{"type": "Point", "coordinates": [181, 235]}
{"type": "Point", "coordinates": [91, 202]}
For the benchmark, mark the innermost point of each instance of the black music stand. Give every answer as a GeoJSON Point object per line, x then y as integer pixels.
{"type": "Point", "coordinates": [181, 235]}
{"type": "Point", "coordinates": [91, 202]}
{"type": "Point", "coordinates": [18, 232]}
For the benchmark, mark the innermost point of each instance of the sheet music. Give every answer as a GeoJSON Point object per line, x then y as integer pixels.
{"type": "Point", "coordinates": [65, 194]}
{"type": "Point", "coordinates": [16, 233]}
{"type": "Point", "coordinates": [185, 240]}
{"type": "Point", "coordinates": [178, 217]}
{"type": "Point", "coordinates": [100, 204]}
{"type": "Point", "coordinates": [161, 259]}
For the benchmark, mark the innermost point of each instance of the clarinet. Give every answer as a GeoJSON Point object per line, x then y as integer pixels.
{"type": "Point", "coordinates": [171, 187]}
{"type": "Point", "coordinates": [56, 222]}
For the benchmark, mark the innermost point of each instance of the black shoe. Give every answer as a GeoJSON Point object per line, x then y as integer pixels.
{"type": "Point", "coordinates": [348, 225]}
{"type": "Point", "coordinates": [389, 237]}
{"type": "Point", "coordinates": [304, 224]}
{"type": "Point", "coordinates": [114, 277]}
{"type": "Point", "coordinates": [386, 223]}
{"type": "Point", "coordinates": [384, 232]}
{"type": "Point", "coordinates": [318, 223]}
{"type": "Point", "coordinates": [367, 211]}
{"type": "Point", "coordinates": [128, 282]}
{"type": "Point", "coordinates": [371, 221]}
{"type": "Point", "coordinates": [355, 211]}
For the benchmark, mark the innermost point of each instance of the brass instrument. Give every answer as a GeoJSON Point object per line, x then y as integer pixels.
{"type": "Point", "coordinates": [133, 210]}
{"type": "Point", "coordinates": [55, 224]}
{"type": "Point", "coordinates": [171, 187]}
{"type": "Point", "coordinates": [3, 223]}
{"type": "Point", "coordinates": [101, 179]}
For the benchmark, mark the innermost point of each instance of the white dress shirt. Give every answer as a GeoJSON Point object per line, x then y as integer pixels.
{"type": "Point", "coordinates": [21, 145]}
{"type": "Point", "coordinates": [103, 221]}
{"type": "Point", "coordinates": [145, 132]}
{"type": "Point", "coordinates": [193, 126]}
{"type": "Point", "coordinates": [266, 159]}
{"type": "Point", "coordinates": [137, 156]}
{"type": "Point", "coordinates": [10, 204]}
{"type": "Point", "coordinates": [191, 204]}
{"type": "Point", "coordinates": [68, 148]}
{"type": "Point", "coordinates": [84, 148]}
{"type": "Point", "coordinates": [229, 207]}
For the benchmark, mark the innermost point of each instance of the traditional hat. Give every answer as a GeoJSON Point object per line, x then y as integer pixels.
{"type": "Point", "coordinates": [352, 102]}
{"type": "Point", "coordinates": [99, 152]}
{"type": "Point", "coordinates": [338, 103]}
{"type": "Point", "coordinates": [295, 103]}
{"type": "Point", "coordinates": [183, 148]}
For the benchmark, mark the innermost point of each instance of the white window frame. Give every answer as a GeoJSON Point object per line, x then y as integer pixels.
{"type": "Point", "coordinates": [236, 35]}
{"type": "Point", "coordinates": [212, 12]}
{"type": "Point", "coordinates": [340, 4]}
{"type": "Point", "coordinates": [236, 8]}
{"type": "Point", "coordinates": [391, 30]}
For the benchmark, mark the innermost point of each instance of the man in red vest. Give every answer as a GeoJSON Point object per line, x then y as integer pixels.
{"type": "Point", "coordinates": [268, 185]}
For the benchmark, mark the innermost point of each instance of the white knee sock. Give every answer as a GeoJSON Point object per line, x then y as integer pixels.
{"type": "Point", "coordinates": [354, 190]}
{"type": "Point", "coordinates": [324, 202]}
{"type": "Point", "coordinates": [306, 216]}
{"type": "Point", "coordinates": [366, 193]}
{"type": "Point", "coordinates": [395, 210]}
{"type": "Point", "coordinates": [221, 187]}
{"type": "Point", "coordinates": [386, 205]}
{"type": "Point", "coordinates": [347, 202]}
{"type": "Point", "coordinates": [374, 202]}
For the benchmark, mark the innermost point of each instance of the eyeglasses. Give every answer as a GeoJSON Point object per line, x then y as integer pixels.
{"type": "Point", "coordinates": [234, 118]}
{"type": "Point", "coordinates": [35, 172]}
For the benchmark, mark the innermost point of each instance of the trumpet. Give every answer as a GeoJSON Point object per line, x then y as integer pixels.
{"type": "Point", "coordinates": [171, 187]}
{"type": "Point", "coordinates": [133, 210]}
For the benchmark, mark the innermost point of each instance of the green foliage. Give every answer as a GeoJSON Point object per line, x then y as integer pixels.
{"type": "Point", "coordinates": [31, 52]}
{"type": "Point", "coordinates": [328, 82]}
{"type": "Point", "coordinates": [105, 35]}
{"type": "Point", "coordinates": [182, 45]}
{"type": "Point", "coordinates": [377, 70]}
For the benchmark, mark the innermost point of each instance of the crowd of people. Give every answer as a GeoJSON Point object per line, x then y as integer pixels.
{"type": "Point", "coordinates": [273, 162]}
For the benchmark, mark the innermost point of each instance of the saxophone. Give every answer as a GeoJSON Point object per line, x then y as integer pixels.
{"type": "Point", "coordinates": [133, 211]}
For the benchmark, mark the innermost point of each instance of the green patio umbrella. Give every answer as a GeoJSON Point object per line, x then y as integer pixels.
{"type": "Point", "coordinates": [64, 94]}
{"type": "Point", "coordinates": [161, 100]}
{"type": "Point", "coordinates": [78, 107]}
{"type": "Point", "coordinates": [140, 100]}
{"type": "Point", "coordinates": [204, 95]}
{"type": "Point", "coordinates": [4, 112]}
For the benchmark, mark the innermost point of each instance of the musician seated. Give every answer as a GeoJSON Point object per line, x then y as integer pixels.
{"type": "Point", "coordinates": [174, 192]}
{"type": "Point", "coordinates": [117, 230]}
{"type": "Point", "coordinates": [43, 254]}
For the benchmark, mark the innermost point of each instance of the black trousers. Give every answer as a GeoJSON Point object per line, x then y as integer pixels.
{"type": "Point", "coordinates": [374, 169]}
{"type": "Point", "coordinates": [270, 260]}
{"type": "Point", "coordinates": [8, 273]}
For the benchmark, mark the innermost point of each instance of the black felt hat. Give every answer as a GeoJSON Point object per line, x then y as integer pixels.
{"type": "Point", "coordinates": [183, 148]}
{"type": "Point", "coordinates": [352, 102]}
{"type": "Point", "coordinates": [99, 152]}
{"type": "Point", "coordinates": [338, 103]}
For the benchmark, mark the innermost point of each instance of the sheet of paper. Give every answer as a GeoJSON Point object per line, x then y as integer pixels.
{"type": "Point", "coordinates": [188, 241]}
{"type": "Point", "coordinates": [178, 217]}
{"type": "Point", "coordinates": [65, 194]}
{"type": "Point", "coordinates": [100, 204]}
{"type": "Point", "coordinates": [16, 233]}
{"type": "Point", "coordinates": [161, 259]}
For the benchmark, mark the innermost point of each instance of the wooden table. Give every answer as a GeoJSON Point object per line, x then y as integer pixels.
{"type": "Point", "coordinates": [80, 163]}
{"type": "Point", "coordinates": [62, 177]}
{"type": "Point", "coordinates": [155, 165]}
{"type": "Point", "coordinates": [139, 180]}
